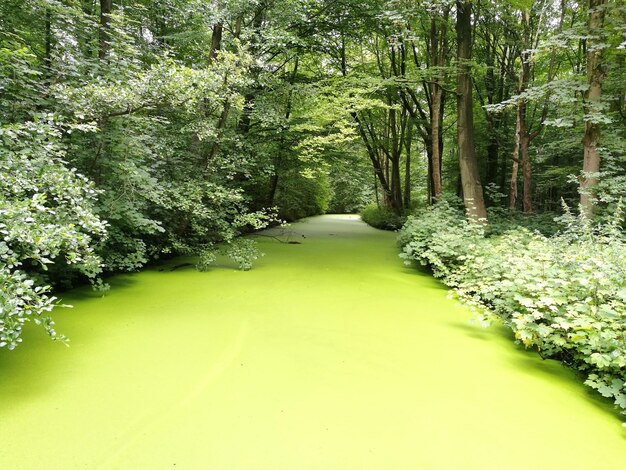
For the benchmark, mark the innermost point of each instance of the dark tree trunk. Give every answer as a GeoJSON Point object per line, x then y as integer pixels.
{"type": "Point", "coordinates": [48, 51]}
{"type": "Point", "coordinates": [216, 40]}
{"type": "Point", "coordinates": [272, 190]}
{"type": "Point", "coordinates": [216, 46]}
{"type": "Point", "coordinates": [437, 96]}
{"type": "Point", "coordinates": [106, 7]}
{"type": "Point", "coordinates": [437, 52]}
{"type": "Point", "coordinates": [407, 166]}
{"type": "Point", "coordinates": [515, 158]}
{"type": "Point", "coordinates": [527, 204]}
{"type": "Point", "coordinates": [281, 143]}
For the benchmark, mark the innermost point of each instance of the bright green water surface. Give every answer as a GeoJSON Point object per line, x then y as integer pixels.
{"type": "Point", "coordinates": [329, 354]}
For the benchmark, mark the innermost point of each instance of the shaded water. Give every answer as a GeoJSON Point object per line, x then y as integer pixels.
{"type": "Point", "coordinates": [329, 354]}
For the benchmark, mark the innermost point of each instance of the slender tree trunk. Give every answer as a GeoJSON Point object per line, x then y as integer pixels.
{"type": "Point", "coordinates": [428, 148]}
{"type": "Point", "coordinates": [515, 157]}
{"type": "Point", "coordinates": [407, 166]}
{"type": "Point", "coordinates": [437, 43]}
{"type": "Point", "coordinates": [48, 51]}
{"type": "Point", "coordinates": [373, 153]}
{"type": "Point", "coordinates": [216, 46]}
{"type": "Point", "coordinates": [524, 126]}
{"type": "Point", "coordinates": [493, 152]}
{"type": "Point", "coordinates": [281, 143]}
{"type": "Point", "coordinates": [396, 184]}
{"type": "Point", "coordinates": [437, 54]}
{"type": "Point", "coordinates": [395, 150]}
{"type": "Point", "coordinates": [273, 186]}
{"type": "Point", "coordinates": [595, 77]}
{"type": "Point", "coordinates": [468, 163]}
{"type": "Point", "coordinates": [435, 141]}
{"type": "Point", "coordinates": [526, 173]}
{"type": "Point", "coordinates": [522, 136]}
{"type": "Point", "coordinates": [344, 65]}
{"type": "Point", "coordinates": [491, 84]}
{"type": "Point", "coordinates": [376, 190]}
{"type": "Point", "coordinates": [106, 7]}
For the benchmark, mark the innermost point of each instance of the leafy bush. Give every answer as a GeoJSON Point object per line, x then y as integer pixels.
{"type": "Point", "coordinates": [381, 217]}
{"type": "Point", "coordinates": [564, 295]}
{"type": "Point", "coordinates": [47, 217]}
{"type": "Point", "coordinates": [440, 237]}
{"type": "Point", "coordinates": [242, 251]}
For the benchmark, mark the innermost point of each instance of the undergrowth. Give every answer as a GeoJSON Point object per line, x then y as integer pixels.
{"type": "Point", "coordinates": [382, 217]}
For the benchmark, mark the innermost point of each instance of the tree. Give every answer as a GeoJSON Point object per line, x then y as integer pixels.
{"type": "Point", "coordinates": [468, 162]}
{"type": "Point", "coordinates": [438, 51]}
{"type": "Point", "coordinates": [593, 95]}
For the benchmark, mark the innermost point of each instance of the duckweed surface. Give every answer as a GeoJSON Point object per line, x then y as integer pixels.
{"type": "Point", "coordinates": [329, 354]}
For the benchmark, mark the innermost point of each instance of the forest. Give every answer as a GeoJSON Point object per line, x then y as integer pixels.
{"type": "Point", "coordinates": [492, 135]}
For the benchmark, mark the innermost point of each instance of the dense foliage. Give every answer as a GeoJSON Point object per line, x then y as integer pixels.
{"type": "Point", "coordinates": [564, 295]}
{"type": "Point", "coordinates": [381, 217]}
{"type": "Point", "coordinates": [47, 217]}
{"type": "Point", "coordinates": [134, 131]}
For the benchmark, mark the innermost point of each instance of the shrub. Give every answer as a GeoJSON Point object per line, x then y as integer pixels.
{"type": "Point", "coordinates": [243, 251]}
{"type": "Point", "coordinates": [46, 218]}
{"type": "Point", "coordinates": [564, 295]}
{"type": "Point", "coordinates": [381, 217]}
{"type": "Point", "coordinates": [440, 237]}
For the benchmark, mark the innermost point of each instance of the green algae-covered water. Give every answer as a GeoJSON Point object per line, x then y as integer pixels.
{"type": "Point", "coordinates": [329, 354]}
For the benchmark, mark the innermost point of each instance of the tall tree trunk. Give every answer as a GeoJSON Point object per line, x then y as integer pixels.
{"type": "Point", "coordinates": [396, 185]}
{"type": "Point", "coordinates": [493, 147]}
{"type": "Point", "coordinates": [273, 186]}
{"type": "Point", "coordinates": [48, 51]}
{"type": "Point", "coordinates": [281, 143]}
{"type": "Point", "coordinates": [437, 45]}
{"type": "Point", "coordinates": [527, 204]}
{"type": "Point", "coordinates": [373, 153]}
{"type": "Point", "coordinates": [468, 163]}
{"type": "Point", "coordinates": [515, 157]}
{"type": "Point", "coordinates": [428, 148]}
{"type": "Point", "coordinates": [523, 137]}
{"type": "Point", "coordinates": [395, 151]}
{"type": "Point", "coordinates": [407, 165]}
{"type": "Point", "coordinates": [344, 65]}
{"type": "Point", "coordinates": [595, 77]}
{"type": "Point", "coordinates": [106, 7]}
{"type": "Point", "coordinates": [216, 46]}
{"type": "Point", "coordinates": [436, 95]}
{"type": "Point", "coordinates": [216, 40]}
